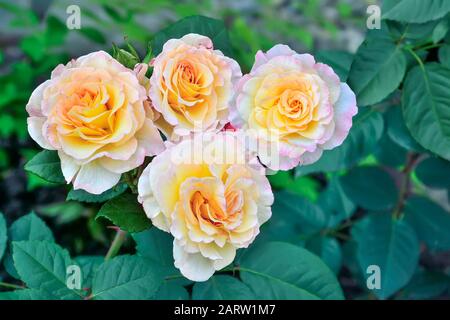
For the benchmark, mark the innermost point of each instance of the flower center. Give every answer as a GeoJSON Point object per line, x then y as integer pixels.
{"type": "Point", "coordinates": [293, 103]}
{"type": "Point", "coordinates": [207, 209]}
{"type": "Point", "coordinates": [211, 211]}
{"type": "Point", "coordinates": [188, 73]}
{"type": "Point", "coordinates": [88, 112]}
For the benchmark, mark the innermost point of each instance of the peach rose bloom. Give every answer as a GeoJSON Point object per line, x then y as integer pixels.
{"type": "Point", "coordinates": [300, 104]}
{"type": "Point", "coordinates": [212, 206]}
{"type": "Point", "coordinates": [94, 112]}
{"type": "Point", "coordinates": [192, 85]}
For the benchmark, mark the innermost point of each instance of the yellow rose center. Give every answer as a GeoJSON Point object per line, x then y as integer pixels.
{"type": "Point", "coordinates": [188, 73]}
{"type": "Point", "coordinates": [286, 105]}
{"type": "Point", "coordinates": [186, 86]}
{"type": "Point", "coordinates": [294, 104]}
{"type": "Point", "coordinates": [89, 113]}
{"type": "Point", "coordinates": [210, 210]}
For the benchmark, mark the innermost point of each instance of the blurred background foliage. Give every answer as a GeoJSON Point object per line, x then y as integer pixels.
{"type": "Point", "coordinates": [313, 207]}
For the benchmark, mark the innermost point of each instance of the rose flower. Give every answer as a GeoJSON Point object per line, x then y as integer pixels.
{"type": "Point", "coordinates": [94, 112]}
{"type": "Point", "coordinates": [212, 201]}
{"type": "Point", "coordinates": [300, 104]}
{"type": "Point", "coordinates": [192, 85]}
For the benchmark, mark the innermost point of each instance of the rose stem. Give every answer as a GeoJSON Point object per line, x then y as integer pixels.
{"type": "Point", "coordinates": [10, 285]}
{"type": "Point", "coordinates": [405, 184]}
{"type": "Point", "coordinates": [119, 239]}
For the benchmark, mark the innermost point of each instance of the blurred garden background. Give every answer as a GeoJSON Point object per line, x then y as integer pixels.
{"type": "Point", "coordinates": [34, 39]}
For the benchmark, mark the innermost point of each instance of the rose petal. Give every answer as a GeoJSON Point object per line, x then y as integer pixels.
{"type": "Point", "coordinates": [95, 179]}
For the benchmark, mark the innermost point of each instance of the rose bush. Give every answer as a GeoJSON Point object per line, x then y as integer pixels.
{"type": "Point", "coordinates": [205, 192]}
{"type": "Point", "coordinates": [301, 104]}
{"type": "Point", "coordinates": [94, 112]}
{"type": "Point", "coordinates": [97, 115]}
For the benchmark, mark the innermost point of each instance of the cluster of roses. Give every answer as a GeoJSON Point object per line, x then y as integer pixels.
{"type": "Point", "coordinates": [104, 119]}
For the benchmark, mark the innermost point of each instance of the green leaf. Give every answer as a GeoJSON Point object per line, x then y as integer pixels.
{"type": "Point", "coordinates": [126, 278]}
{"type": "Point", "coordinates": [389, 153]}
{"type": "Point", "coordinates": [34, 46]}
{"type": "Point", "coordinates": [328, 249]}
{"type": "Point", "coordinates": [43, 265]}
{"type": "Point", "coordinates": [422, 32]}
{"type": "Point", "coordinates": [89, 266]}
{"type": "Point", "coordinates": [126, 213]}
{"type": "Point", "coordinates": [397, 131]}
{"type": "Point", "coordinates": [64, 212]}
{"type": "Point", "coordinates": [431, 222]}
{"type": "Point", "coordinates": [440, 30]}
{"type": "Point", "coordinates": [7, 125]}
{"type": "Point", "coordinates": [222, 287]}
{"type": "Point", "coordinates": [391, 245]}
{"type": "Point", "coordinates": [335, 203]}
{"type": "Point", "coordinates": [351, 263]}
{"type": "Point", "coordinates": [303, 186]}
{"type": "Point", "coordinates": [93, 34]}
{"type": "Point", "coordinates": [84, 196]}
{"type": "Point", "coordinates": [212, 28]}
{"type": "Point", "coordinates": [56, 31]}
{"type": "Point", "coordinates": [444, 55]}
{"type": "Point", "coordinates": [426, 285]}
{"type": "Point", "coordinates": [156, 245]}
{"type": "Point", "coordinates": [97, 231]}
{"type": "Point", "coordinates": [149, 55]}
{"type": "Point", "coordinates": [28, 227]}
{"type": "Point", "coordinates": [417, 11]}
{"type": "Point", "coordinates": [34, 182]}
{"type": "Point", "coordinates": [344, 9]}
{"type": "Point", "coordinates": [3, 235]}
{"type": "Point", "coordinates": [8, 92]}
{"type": "Point", "coordinates": [171, 291]}
{"type": "Point", "coordinates": [115, 13]}
{"type": "Point", "coordinates": [46, 164]}
{"type": "Point", "coordinates": [377, 70]}
{"type": "Point", "coordinates": [132, 50]}
{"type": "Point", "coordinates": [371, 188]}
{"type": "Point", "coordinates": [434, 173]}
{"type": "Point", "coordinates": [124, 57]}
{"type": "Point", "coordinates": [340, 61]}
{"type": "Point", "coordinates": [26, 294]}
{"type": "Point", "coordinates": [366, 131]}
{"type": "Point", "coordinates": [426, 109]}
{"type": "Point", "coordinates": [299, 212]}
{"type": "Point", "coordinates": [283, 271]}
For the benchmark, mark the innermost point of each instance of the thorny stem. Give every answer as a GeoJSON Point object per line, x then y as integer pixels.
{"type": "Point", "coordinates": [404, 184]}
{"type": "Point", "coordinates": [117, 243]}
